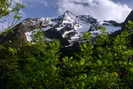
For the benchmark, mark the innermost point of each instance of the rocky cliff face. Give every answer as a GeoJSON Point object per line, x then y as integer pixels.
{"type": "Point", "coordinates": [68, 28]}
{"type": "Point", "coordinates": [129, 17]}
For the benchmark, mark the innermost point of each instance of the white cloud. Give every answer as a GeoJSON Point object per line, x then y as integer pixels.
{"type": "Point", "coordinates": [100, 9]}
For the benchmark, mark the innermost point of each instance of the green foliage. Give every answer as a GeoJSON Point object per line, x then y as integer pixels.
{"type": "Point", "coordinates": [105, 62]}
{"type": "Point", "coordinates": [38, 35]}
{"type": "Point", "coordinates": [11, 10]}
{"type": "Point", "coordinates": [7, 7]}
{"type": "Point", "coordinates": [16, 11]}
{"type": "Point", "coordinates": [130, 25]}
{"type": "Point", "coordinates": [32, 66]}
{"type": "Point", "coordinates": [4, 5]}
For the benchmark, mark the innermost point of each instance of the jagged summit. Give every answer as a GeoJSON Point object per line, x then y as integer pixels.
{"type": "Point", "coordinates": [69, 13]}
{"type": "Point", "coordinates": [68, 28]}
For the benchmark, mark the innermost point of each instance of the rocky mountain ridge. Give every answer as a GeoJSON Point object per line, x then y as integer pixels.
{"type": "Point", "coordinates": [68, 28]}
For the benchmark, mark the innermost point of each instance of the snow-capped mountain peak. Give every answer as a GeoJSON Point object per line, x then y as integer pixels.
{"type": "Point", "coordinates": [70, 27]}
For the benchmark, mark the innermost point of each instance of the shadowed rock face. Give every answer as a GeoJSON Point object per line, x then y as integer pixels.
{"type": "Point", "coordinates": [68, 28]}
{"type": "Point", "coordinates": [17, 33]}
{"type": "Point", "coordinates": [112, 22]}
{"type": "Point", "coordinates": [129, 17]}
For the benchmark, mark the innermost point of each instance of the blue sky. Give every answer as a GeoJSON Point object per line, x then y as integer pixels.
{"type": "Point", "coordinates": [53, 8]}
{"type": "Point", "coordinates": [40, 8]}
{"type": "Point", "coordinates": [100, 9]}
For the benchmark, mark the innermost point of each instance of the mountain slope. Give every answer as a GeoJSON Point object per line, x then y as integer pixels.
{"type": "Point", "coordinates": [68, 28]}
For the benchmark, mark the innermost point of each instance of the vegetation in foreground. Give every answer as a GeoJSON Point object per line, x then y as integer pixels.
{"type": "Point", "coordinates": [105, 64]}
